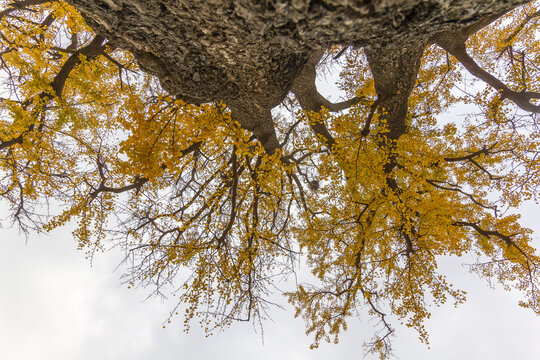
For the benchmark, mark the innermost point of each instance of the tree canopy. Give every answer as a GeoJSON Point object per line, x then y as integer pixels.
{"type": "Point", "coordinates": [220, 197]}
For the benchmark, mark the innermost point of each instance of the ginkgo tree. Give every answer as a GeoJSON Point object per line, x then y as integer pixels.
{"type": "Point", "coordinates": [370, 192]}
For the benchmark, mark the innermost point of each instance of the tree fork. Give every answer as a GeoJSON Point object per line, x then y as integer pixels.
{"type": "Point", "coordinates": [250, 54]}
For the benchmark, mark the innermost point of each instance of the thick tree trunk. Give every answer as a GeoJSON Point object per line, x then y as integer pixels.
{"type": "Point", "coordinates": [249, 53]}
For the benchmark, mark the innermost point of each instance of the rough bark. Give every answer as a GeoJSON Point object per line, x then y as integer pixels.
{"type": "Point", "coordinates": [395, 68]}
{"type": "Point", "coordinates": [310, 99]}
{"type": "Point", "coordinates": [250, 53]}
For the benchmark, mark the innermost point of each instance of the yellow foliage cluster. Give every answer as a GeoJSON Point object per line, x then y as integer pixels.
{"type": "Point", "coordinates": [190, 194]}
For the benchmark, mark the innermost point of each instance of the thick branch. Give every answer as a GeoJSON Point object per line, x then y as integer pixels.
{"type": "Point", "coordinates": [395, 69]}
{"type": "Point", "coordinates": [305, 90]}
{"type": "Point", "coordinates": [234, 192]}
{"type": "Point", "coordinates": [489, 233]}
{"type": "Point", "coordinates": [90, 51]}
{"type": "Point", "coordinates": [257, 119]}
{"type": "Point", "coordinates": [137, 185]}
{"type": "Point", "coordinates": [484, 151]}
{"type": "Point", "coordinates": [454, 43]}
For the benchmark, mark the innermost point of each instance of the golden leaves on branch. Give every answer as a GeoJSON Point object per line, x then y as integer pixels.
{"type": "Point", "coordinates": [190, 194]}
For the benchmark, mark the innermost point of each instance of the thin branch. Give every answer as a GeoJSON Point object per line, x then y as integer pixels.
{"type": "Point", "coordinates": [22, 5]}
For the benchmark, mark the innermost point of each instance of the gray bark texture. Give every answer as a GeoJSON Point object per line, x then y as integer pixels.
{"type": "Point", "coordinates": [251, 53]}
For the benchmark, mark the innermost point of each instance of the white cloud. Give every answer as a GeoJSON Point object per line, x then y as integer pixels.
{"type": "Point", "coordinates": [55, 306]}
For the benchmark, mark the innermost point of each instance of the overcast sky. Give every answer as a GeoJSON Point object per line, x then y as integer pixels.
{"type": "Point", "coordinates": [54, 305]}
